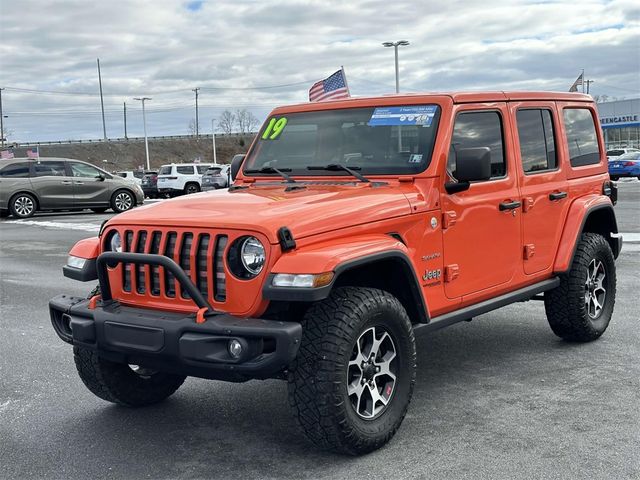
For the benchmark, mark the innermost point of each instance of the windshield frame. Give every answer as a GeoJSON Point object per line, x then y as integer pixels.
{"type": "Point", "coordinates": [303, 172]}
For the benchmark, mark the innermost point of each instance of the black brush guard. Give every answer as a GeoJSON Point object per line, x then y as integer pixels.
{"type": "Point", "coordinates": [173, 342]}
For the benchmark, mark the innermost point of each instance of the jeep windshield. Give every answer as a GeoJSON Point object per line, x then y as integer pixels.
{"type": "Point", "coordinates": [372, 140]}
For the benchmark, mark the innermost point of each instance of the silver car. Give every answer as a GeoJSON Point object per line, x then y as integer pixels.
{"type": "Point", "coordinates": [217, 176]}
{"type": "Point", "coordinates": [30, 185]}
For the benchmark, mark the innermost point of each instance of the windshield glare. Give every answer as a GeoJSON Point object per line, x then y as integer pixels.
{"type": "Point", "coordinates": [375, 140]}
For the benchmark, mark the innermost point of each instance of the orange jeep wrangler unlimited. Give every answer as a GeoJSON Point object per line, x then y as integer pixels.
{"type": "Point", "coordinates": [352, 226]}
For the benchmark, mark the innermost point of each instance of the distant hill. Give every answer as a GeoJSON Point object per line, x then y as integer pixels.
{"type": "Point", "coordinates": [129, 154]}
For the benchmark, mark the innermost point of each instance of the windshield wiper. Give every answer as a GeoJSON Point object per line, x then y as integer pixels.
{"type": "Point", "coordinates": [279, 171]}
{"type": "Point", "coordinates": [333, 167]}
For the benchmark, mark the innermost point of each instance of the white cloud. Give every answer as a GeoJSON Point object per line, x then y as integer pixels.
{"type": "Point", "coordinates": [164, 48]}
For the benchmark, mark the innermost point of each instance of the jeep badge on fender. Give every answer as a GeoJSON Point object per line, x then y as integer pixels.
{"type": "Point", "coordinates": [350, 226]}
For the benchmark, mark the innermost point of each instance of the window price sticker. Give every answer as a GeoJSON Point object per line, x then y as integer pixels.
{"type": "Point", "coordinates": [421, 115]}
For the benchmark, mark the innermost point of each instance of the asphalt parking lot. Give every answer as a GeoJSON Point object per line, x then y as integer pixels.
{"type": "Point", "coordinates": [500, 397]}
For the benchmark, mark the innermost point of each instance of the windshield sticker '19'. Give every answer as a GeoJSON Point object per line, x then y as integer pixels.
{"type": "Point", "coordinates": [274, 128]}
{"type": "Point", "coordinates": [420, 115]}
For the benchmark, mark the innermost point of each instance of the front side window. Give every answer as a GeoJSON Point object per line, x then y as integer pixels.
{"type": "Point", "coordinates": [478, 129]}
{"type": "Point", "coordinates": [15, 170]}
{"type": "Point", "coordinates": [49, 169]}
{"type": "Point", "coordinates": [83, 170]}
{"type": "Point", "coordinates": [581, 137]}
{"type": "Point", "coordinates": [373, 140]}
{"type": "Point", "coordinates": [537, 144]}
{"type": "Point", "coordinates": [185, 169]}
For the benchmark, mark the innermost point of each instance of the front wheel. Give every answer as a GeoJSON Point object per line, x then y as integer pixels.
{"type": "Point", "coordinates": [122, 201]}
{"type": "Point", "coordinates": [580, 308]}
{"type": "Point", "coordinates": [352, 380]}
{"type": "Point", "coordinates": [128, 385]}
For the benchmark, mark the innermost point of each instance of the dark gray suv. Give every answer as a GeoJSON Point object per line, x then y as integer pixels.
{"type": "Point", "coordinates": [29, 185]}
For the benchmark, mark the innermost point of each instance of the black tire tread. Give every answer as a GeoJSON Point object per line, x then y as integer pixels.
{"type": "Point", "coordinates": [313, 389]}
{"type": "Point", "coordinates": [117, 383]}
{"type": "Point", "coordinates": [564, 305]}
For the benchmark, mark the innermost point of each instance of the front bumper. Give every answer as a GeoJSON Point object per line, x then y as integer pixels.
{"type": "Point", "coordinates": [173, 342]}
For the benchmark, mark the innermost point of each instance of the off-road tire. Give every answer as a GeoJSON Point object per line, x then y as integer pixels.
{"type": "Point", "coordinates": [191, 187]}
{"type": "Point", "coordinates": [99, 210]}
{"type": "Point", "coordinates": [318, 376]}
{"type": "Point", "coordinates": [565, 305]}
{"type": "Point", "coordinates": [118, 202]}
{"type": "Point", "coordinates": [23, 205]}
{"type": "Point", "coordinates": [118, 383]}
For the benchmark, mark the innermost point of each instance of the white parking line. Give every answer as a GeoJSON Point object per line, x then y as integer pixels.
{"type": "Point", "coordinates": [87, 227]}
{"type": "Point", "coordinates": [630, 238]}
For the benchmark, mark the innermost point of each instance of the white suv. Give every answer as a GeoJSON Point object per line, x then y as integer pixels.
{"type": "Point", "coordinates": [179, 178]}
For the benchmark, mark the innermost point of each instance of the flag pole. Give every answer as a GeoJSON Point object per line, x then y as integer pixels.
{"type": "Point", "coordinates": [346, 84]}
{"type": "Point", "coordinates": [583, 80]}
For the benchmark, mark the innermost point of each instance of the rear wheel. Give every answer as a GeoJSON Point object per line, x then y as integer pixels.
{"type": "Point", "coordinates": [352, 380]}
{"type": "Point", "coordinates": [121, 201]}
{"type": "Point", "coordinates": [580, 308]}
{"type": "Point", "coordinates": [128, 385]}
{"type": "Point", "coordinates": [22, 205]}
{"type": "Point", "coordinates": [615, 178]}
{"type": "Point", "coordinates": [191, 188]}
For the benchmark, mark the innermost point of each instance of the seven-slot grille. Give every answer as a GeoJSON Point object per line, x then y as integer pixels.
{"type": "Point", "coordinates": [200, 255]}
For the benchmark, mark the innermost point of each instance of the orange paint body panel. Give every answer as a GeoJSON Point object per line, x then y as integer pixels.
{"type": "Point", "coordinates": [86, 248]}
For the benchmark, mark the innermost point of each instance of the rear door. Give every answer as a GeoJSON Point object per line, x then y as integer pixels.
{"type": "Point", "coordinates": [481, 226]}
{"type": "Point", "coordinates": [543, 182]}
{"type": "Point", "coordinates": [90, 188]}
{"type": "Point", "coordinates": [52, 184]}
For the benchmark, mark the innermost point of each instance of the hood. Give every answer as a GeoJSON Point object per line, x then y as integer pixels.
{"type": "Point", "coordinates": [265, 208]}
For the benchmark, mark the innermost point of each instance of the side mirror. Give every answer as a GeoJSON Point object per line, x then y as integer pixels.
{"type": "Point", "coordinates": [236, 163]}
{"type": "Point", "coordinates": [472, 165]}
{"type": "Point", "coordinates": [101, 177]}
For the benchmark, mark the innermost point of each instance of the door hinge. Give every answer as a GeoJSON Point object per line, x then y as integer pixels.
{"type": "Point", "coordinates": [451, 272]}
{"type": "Point", "coordinates": [529, 251]}
{"type": "Point", "coordinates": [527, 204]}
{"type": "Point", "coordinates": [448, 219]}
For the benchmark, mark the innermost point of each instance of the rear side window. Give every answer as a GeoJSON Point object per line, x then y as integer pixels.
{"type": "Point", "coordinates": [165, 170]}
{"type": "Point", "coordinates": [202, 168]}
{"type": "Point", "coordinates": [581, 137]}
{"type": "Point", "coordinates": [537, 143]}
{"type": "Point", "coordinates": [185, 169]}
{"type": "Point", "coordinates": [16, 170]}
{"type": "Point", "coordinates": [479, 129]}
{"type": "Point", "coordinates": [49, 169]}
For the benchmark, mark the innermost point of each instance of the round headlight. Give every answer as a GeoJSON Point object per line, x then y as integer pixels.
{"type": "Point", "coordinates": [252, 255]}
{"type": "Point", "coordinates": [115, 243]}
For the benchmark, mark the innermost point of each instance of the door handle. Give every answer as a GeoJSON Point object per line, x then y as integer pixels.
{"type": "Point", "coordinates": [557, 195]}
{"type": "Point", "coordinates": [79, 183]}
{"type": "Point", "coordinates": [66, 182]}
{"type": "Point", "coordinates": [509, 205]}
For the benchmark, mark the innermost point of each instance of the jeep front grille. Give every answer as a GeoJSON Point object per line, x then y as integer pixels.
{"type": "Point", "coordinates": [200, 255]}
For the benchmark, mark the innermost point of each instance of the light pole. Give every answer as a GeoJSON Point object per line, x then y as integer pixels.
{"type": "Point", "coordinates": [144, 122]}
{"type": "Point", "coordinates": [213, 141]}
{"type": "Point", "coordinates": [395, 45]}
{"type": "Point", "coordinates": [1, 121]}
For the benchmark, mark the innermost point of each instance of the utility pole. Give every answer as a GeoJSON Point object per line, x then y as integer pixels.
{"type": "Point", "coordinates": [125, 120]}
{"type": "Point", "coordinates": [144, 122]}
{"type": "Point", "coordinates": [1, 120]}
{"type": "Point", "coordinates": [104, 126]}
{"type": "Point", "coordinates": [197, 122]}
{"type": "Point", "coordinates": [588, 82]}
{"type": "Point", "coordinates": [213, 141]}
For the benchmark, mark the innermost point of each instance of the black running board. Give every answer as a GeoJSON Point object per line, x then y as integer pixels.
{"type": "Point", "coordinates": [471, 311]}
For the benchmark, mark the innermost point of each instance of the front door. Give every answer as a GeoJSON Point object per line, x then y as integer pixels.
{"type": "Point", "coordinates": [481, 226]}
{"type": "Point", "coordinates": [543, 183]}
{"type": "Point", "coordinates": [90, 188]}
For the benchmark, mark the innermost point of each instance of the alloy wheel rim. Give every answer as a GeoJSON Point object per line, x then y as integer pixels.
{"type": "Point", "coordinates": [123, 201]}
{"type": "Point", "coordinates": [371, 373]}
{"type": "Point", "coordinates": [23, 206]}
{"type": "Point", "coordinates": [191, 189]}
{"type": "Point", "coordinates": [141, 371]}
{"type": "Point", "coordinates": [595, 292]}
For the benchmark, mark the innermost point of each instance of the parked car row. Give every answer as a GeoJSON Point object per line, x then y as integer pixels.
{"type": "Point", "coordinates": [31, 185]}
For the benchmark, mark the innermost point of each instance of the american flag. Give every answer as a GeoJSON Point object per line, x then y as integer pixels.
{"type": "Point", "coordinates": [33, 153]}
{"type": "Point", "coordinates": [6, 154]}
{"type": "Point", "coordinates": [333, 87]}
{"type": "Point", "coordinates": [579, 80]}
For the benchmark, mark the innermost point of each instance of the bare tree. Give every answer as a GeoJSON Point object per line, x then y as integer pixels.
{"type": "Point", "coordinates": [246, 121]}
{"type": "Point", "coordinates": [252, 122]}
{"type": "Point", "coordinates": [226, 122]}
{"type": "Point", "coordinates": [192, 127]}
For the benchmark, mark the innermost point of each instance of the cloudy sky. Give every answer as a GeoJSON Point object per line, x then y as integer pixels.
{"type": "Point", "coordinates": [259, 54]}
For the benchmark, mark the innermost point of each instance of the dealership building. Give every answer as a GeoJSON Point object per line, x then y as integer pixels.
{"type": "Point", "coordinates": [620, 122]}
